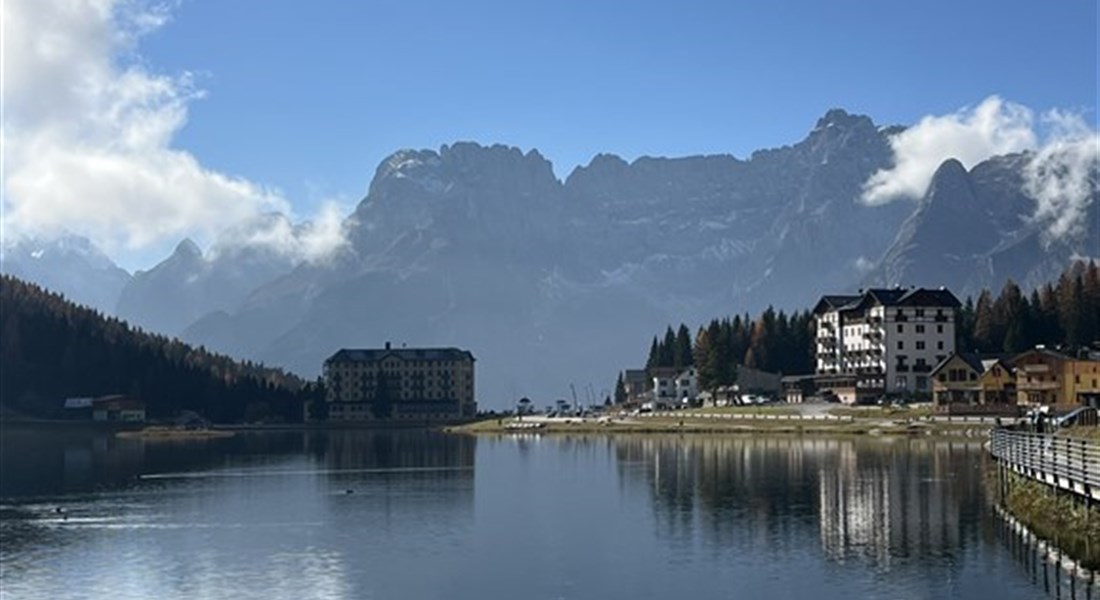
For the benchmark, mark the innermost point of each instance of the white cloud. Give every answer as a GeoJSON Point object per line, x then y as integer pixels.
{"type": "Point", "coordinates": [88, 132]}
{"type": "Point", "coordinates": [313, 241]}
{"type": "Point", "coordinates": [970, 135]}
{"type": "Point", "coordinates": [1062, 176]}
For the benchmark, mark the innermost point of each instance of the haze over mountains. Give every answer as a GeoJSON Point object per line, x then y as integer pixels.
{"type": "Point", "coordinates": [554, 282]}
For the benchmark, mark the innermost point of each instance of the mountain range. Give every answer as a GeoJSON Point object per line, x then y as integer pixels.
{"type": "Point", "coordinates": [552, 282]}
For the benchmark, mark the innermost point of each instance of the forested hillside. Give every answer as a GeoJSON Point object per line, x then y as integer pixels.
{"type": "Point", "coordinates": [52, 349]}
{"type": "Point", "coordinates": [1061, 314]}
{"type": "Point", "coordinates": [1064, 314]}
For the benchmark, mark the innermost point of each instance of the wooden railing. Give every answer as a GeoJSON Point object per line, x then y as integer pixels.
{"type": "Point", "coordinates": [1066, 463]}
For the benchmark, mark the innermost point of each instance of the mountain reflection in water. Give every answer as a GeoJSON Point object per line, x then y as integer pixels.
{"type": "Point", "coordinates": [405, 514]}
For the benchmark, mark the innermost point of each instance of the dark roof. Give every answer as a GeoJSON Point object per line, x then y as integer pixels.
{"type": "Point", "coordinates": [979, 362]}
{"type": "Point", "coordinates": [1044, 351]}
{"type": "Point", "coordinates": [834, 302]}
{"type": "Point", "coordinates": [377, 354]}
{"type": "Point", "coordinates": [926, 297]}
{"type": "Point", "coordinates": [888, 297]}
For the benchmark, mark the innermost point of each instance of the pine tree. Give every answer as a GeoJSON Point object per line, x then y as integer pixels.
{"type": "Point", "coordinates": [1011, 311]}
{"type": "Point", "coordinates": [667, 349]}
{"type": "Point", "coordinates": [984, 325]}
{"type": "Point", "coordinates": [654, 356]}
{"type": "Point", "coordinates": [1070, 299]}
{"type": "Point", "coordinates": [683, 348]}
{"type": "Point", "coordinates": [1090, 301]}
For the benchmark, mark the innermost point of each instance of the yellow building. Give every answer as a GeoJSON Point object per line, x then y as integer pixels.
{"type": "Point", "coordinates": [409, 384]}
{"type": "Point", "coordinates": [1044, 376]}
{"type": "Point", "coordinates": [972, 383]}
{"type": "Point", "coordinates": [1085, 379]}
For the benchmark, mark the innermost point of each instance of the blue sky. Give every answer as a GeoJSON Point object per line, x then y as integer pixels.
{"type": "Point", "coordinates": [175, 120]}
{"type": "Point", "coordinates": [311, 96]}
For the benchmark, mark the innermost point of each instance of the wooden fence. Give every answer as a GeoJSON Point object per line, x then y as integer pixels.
{"type": "Point", "coordinates": [1065, 463]}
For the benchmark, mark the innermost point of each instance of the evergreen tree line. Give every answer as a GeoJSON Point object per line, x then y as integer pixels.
{"type": "Point", "coordinates": [1063, 314]}
{"type": "Point", "coordinates": [774, 342]}
{"type": "Point", "coordinates": [52, 349]}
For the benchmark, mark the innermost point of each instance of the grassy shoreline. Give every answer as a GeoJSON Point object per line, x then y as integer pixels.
{"type": "Point", "coordinates": [173, 433]}
{"type": "Point", "coordinates": [688, 423]}
{"type": "Point", "coordinates": [1052, 515]}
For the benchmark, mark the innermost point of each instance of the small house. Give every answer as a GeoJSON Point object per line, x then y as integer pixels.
{"type": "Point", "coordinates": [118, 408]}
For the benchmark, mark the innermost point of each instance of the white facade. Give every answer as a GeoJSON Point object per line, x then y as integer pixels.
{"type": "Point", "coordinates": [887, 340]}
{"type": "Point", "coordinates": [686, 385]}
{"type": "Point", "coordinates": [674, 389]}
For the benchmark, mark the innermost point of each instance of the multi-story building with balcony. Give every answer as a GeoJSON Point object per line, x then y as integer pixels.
{"type": "Point", "coordinates": [883, 341]}
{"type": "Point", "coordinates": [410, 384]}
{"type": "Point", "coordinates": [1049, 377]}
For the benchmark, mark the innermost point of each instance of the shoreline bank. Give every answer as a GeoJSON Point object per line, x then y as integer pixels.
{"type": "Point", "coordinates": [700, 424]}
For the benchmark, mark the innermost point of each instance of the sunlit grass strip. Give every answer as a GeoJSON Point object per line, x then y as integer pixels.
{"type": "Point", "coordinates": [1066, 521]}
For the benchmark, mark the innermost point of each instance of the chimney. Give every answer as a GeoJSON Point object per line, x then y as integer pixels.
{"type": "Point", "coordinates": [387, 345]}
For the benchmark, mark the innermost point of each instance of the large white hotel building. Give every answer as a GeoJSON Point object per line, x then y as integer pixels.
{"type": "Point", "coordinates": [883, 341]}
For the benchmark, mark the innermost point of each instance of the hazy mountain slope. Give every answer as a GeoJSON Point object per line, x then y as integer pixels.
{"type": "Point", "coordinates": [188, 285]}
{"type": "Point", "coordinates": [69, 265]}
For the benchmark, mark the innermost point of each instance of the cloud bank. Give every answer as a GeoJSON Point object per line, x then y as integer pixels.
{"type": "Point", "coordinates": [970, 135]}
{"type": "Point", "coordinates": [1061, 174]}
{"type": "Point", "coordinates": [88, 131]}
{"type": "Point", "coordinates": [1062, 177]}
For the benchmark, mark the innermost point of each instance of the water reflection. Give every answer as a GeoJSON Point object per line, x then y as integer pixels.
{"type": "Point", "coordinates": [883, 503]}
{"type": "Point", "coordinates": [274, 515]}
{"type": "Point", "coordinates": [349, 514]}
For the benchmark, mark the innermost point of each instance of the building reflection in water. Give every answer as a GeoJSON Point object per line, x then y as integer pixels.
{"type": "Point", "coordinates": [873, 500]}
{"type": "Point", "coordinates": [900, 499]}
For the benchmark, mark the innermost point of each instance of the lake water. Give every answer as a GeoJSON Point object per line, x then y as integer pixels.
{"type": "Point", "coordinates": [409, 515]}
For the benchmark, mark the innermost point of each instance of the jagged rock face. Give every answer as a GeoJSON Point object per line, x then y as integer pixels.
{"type": "Point", "coordinates": [70, 265]}
{"type": "Point", "coordinates": [550, 283]}
{"type": "Point", "coordinates": [465, 198]}
{"type": "Point", "coordinates": [975, 230]}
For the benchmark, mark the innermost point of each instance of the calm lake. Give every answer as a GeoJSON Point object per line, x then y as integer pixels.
{"type": "Point", "coordinates": [412, 514]}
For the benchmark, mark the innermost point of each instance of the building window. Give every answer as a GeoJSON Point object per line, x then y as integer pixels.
{"type": "Point", "coordinates": [920, 328]}
{"type": "Point", "coordinates": [939, 345]}
{"type": "Point", "coordinates": [901, 345]}
{"type": "Point", "coordinates": [920, 344]}
{"type": "Point", "coordinates": [939, 328]}
{"type": "Point", "coordinates": [901, 382]}
{"type": "Point", "coordinates": [901, 328]}
{"type": "Point", "coordinates": [918, 312]}
{"type": "Point", "coordinates": [922, 383]}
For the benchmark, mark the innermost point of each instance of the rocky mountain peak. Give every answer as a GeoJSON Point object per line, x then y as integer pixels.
{"type": "Point", "coordinates": [187, 250]}
{"type": "Point", "coordinates": [950, 181]}
{"type": "Point", "coordinates": [840, 118]}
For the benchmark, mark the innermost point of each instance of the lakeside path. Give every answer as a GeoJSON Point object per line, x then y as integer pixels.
{"type": "Point", "coordinates": [778, 419]}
